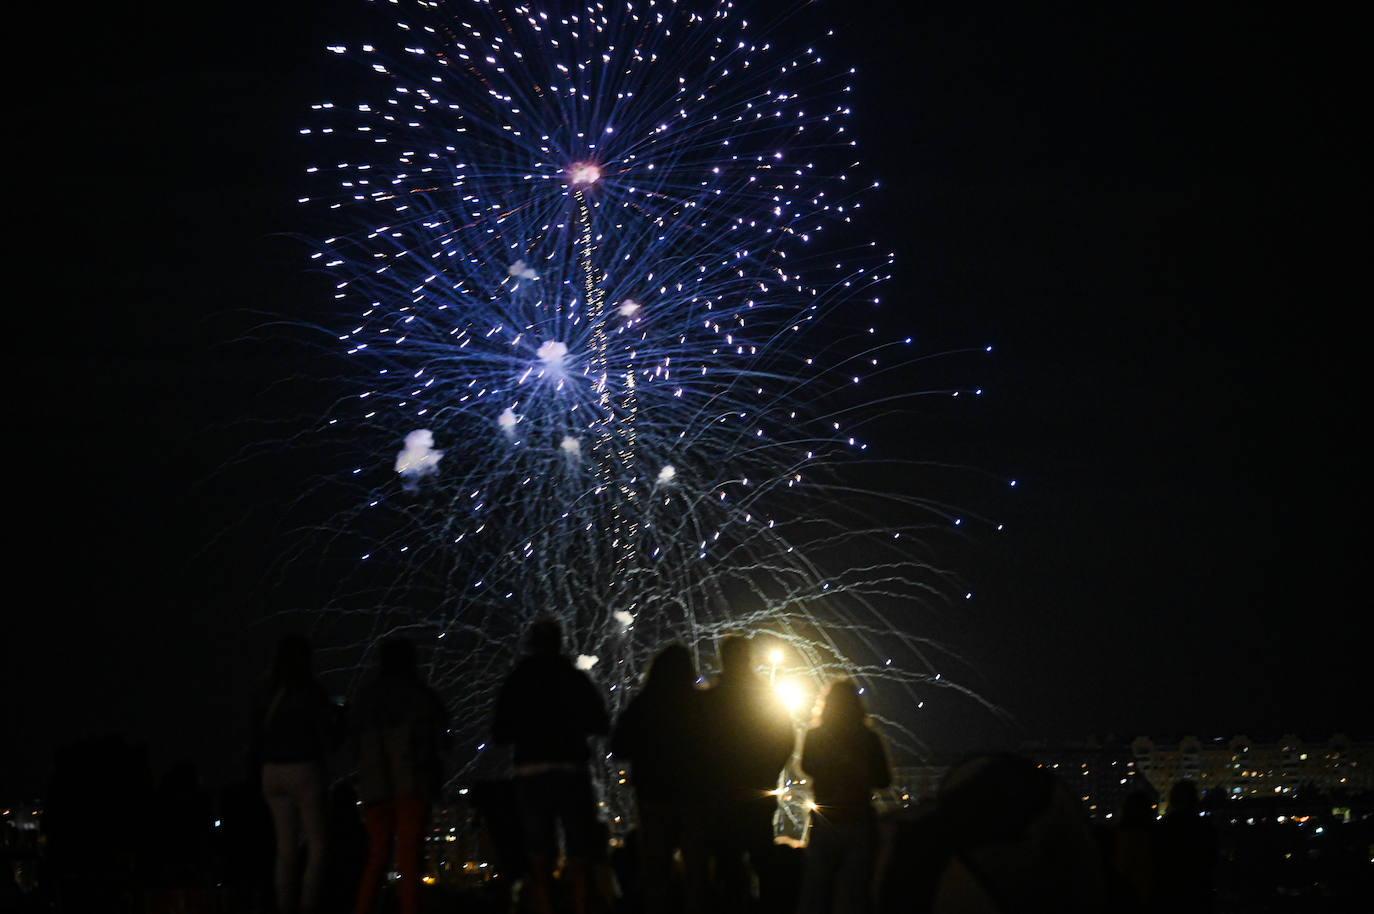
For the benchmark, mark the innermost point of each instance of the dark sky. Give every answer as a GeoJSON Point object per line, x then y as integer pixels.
{"type": "Point", "coordinates": [1146, 213]}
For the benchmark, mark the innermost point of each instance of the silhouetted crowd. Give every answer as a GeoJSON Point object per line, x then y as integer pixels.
{"type": "Point", "coordinates": [706, 764]}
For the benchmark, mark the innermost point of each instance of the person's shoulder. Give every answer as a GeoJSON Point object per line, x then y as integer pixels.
{"type": "Point", "coordinates": [368, 691]}
{"type": "Point", "coordinates": [539, 664]}
{"type": "Point", "coordinates": [300, 694]}
{"type": "Point", "coordinates": [534, 672]}
{"type": "Point", "coordinates": [637, 705]}
{"type": "Point", "coordinates": [721, 691]}
{"type": "Point", "coordinates": [519, 671]}
{"type": "Point", "coordinates": [819, 739]}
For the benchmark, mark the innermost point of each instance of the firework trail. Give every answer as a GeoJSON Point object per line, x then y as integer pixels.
{"type": "Point", "coordinates": [612, 335]}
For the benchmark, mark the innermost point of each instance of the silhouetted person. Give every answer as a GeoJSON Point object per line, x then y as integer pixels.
{"type": "Point", "coordinates": [182, 823]}
{"type": "Point", "coordinates": [348, 848]}
{"type": "Point", "coordinates": [295, 727]}
{"type": "Point", "coordinates": [1185, 854]}
{"type": "Point", "coordinates": [499, 816]}
{"type": "Point", "coordinates": [545, 711]}
{"type": "Point", "coordinates": [94, 784]}
{"type": "Point", "coordinates": [245, 842]}
{"type": "Point", "coordinates": [749, 739]}
{"type": "Point", "coordinates": [400, 725]}
{"type": "Point", "coordinates": [845, 762]}
{"type": "Point", "coordinates": [660, 735]}
{"type": "Point", "coordinates": [1003, 835]}
{"type": "Point", "coordinates": [1132, 853]}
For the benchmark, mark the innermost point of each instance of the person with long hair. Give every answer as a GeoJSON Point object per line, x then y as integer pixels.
{"type": "Point", "coordinates": [660, 735]}
{"type": "Point", "coordinates": [845, 762]}
{"type": "Point", "coordinates": [294, 729]}
{"type": "Point", "coordinates": [401, 727]}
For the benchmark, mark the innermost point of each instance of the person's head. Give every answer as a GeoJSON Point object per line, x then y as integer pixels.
{"type": "Point", "coordinates": [1135, 810]}
{"type": "Point", "coordinates": [843, 706]}
{"type": "Point", "coordinates": [396, 658]}
{"type": "Point", "coordinates": [1183, 799]}
{"type": "Point", "coordinates": [292, 661]}
{"type": "Point", "coordinates": [671, 669]}
{"type": "Point", "coordinates": [736, 654]}
{"type": "Point", "coordinates": [545, 636]}
{"type": "Point", "coordinates": [1002, 827]}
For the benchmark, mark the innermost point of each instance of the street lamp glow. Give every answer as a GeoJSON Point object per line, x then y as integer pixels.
{"type": "Point", "coordinates": [791, 693]}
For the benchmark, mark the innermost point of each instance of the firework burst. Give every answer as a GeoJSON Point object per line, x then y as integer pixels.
{"type": "Point", "coordinates": [611, 335]}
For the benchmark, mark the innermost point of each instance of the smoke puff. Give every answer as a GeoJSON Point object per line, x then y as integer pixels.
{"type": "Point", "coordinates": [552, 353]}
{"type": "Point", "coordinates": [520, 271]}
{"type": "Point", "coordinates": [418, 458]}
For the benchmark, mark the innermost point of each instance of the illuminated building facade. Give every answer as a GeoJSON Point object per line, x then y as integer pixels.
{"type": "Point", "coordinates": [1100, 773]}
{"type": "Point", "coordinates": [1243, 768]}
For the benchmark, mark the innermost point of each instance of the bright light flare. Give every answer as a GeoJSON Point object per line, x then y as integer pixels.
{"type": "Point", "coordinates": [792, 694]}
{"type": "Point", "coordinates": [583, 174]}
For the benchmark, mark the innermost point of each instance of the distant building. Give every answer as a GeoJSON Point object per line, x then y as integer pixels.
{"type": "Point", "coordinates": [1241, 767]}
{"type": "Point", "coordinates": [1100, 773]}
{"type": "Point", "coordinates": [1103, 772]}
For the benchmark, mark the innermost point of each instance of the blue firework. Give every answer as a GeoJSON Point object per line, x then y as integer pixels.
{"type": "Point", "coordinates": [611, 337]}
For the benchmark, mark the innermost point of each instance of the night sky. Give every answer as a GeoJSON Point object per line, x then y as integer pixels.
{"type": "Point", "coordinates": [1147, 214]}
